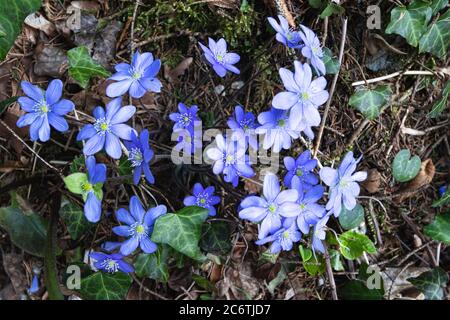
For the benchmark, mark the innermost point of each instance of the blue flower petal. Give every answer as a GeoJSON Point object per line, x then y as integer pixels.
{"type": "Point", "coordinates": [92, 208]}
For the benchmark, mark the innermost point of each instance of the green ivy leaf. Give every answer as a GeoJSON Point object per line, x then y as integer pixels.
{"type": "Point", "coordinates": [437, 38]}
{"type": "Point", "coordinates": [216, 237]}
{"type": "Point", "coordinates": [350, 219]}
{"type": "Point", "coordinates": [444, 199]}
{"type": "Point", "coordinates": [357, 290]}
{"type": "Point", "coordinates": [204, 283]}
{"type": "Point", "coordinates": [105, 286]}
{"type": "Point", "coordinates": [27, 231]}
{"type": "Point", "coordinates": [268, 256]}
{"type": "Point", "coordinates": [75, 181]}
{"type": "Point", "coordinates": [12, 15]}
{"type": "Point", "coordinates": [82, 67]}
{"type": "Point", "coordinates": [124, 168]}
{"type": "Point", "coordinates": [154, 265]}
{"type": "Point", "coordinates": [441, 103]}
{"type": "Point", "coordinates": [335, 259]}
{"type": "Point", "coordinates": [409, 23]}
{"type": "Point", "coordinates": [438, 5]}
{"type": "Point", "coordinates": [317, 4]}
{"type": "Point", "coordinates": [313, 264]}
{"type": "Point", "coordinates": [182, 230]}
{"type": "Point", "coordinates": [439, 229]}
{"type": "Point", "coordinates": [77, 164]}
{"type": "Point", "coordinates": [6, 103]}
{"type": "Point", "coordinates": [330, 9]}
{"type": "Point", "coordinates": [73, 217]}
{"type": "Point", "coordinates": [431, 283]}
{"type": "Point", "coordinates": [352, 245]}
{"type": "Point", "coordinates": [331, 63]}
{"type": "Point", "coordinates": [370, 101]}
{"type": "Point", "coordinates": [405, 168]}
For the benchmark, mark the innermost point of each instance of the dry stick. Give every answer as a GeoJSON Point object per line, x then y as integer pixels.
{"type": "Point", "coordinates": [31, 149]}
{"type": "Point", "coordinates": [333, 87]}
{"type": "Point", "coordinates": [330, 272]}
{"type": "Point", "coordinates": [393, 75]}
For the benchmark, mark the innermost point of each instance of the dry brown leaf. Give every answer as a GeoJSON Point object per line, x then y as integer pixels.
{"type": "Point", "coordinates": [373, 181]}
{"type": "Point", "coordinates": [38, 22]}
{"type": "Point", "coordinates": [239, 283]}
{"type": "Point", "coordinates": [12, 263]}
{"type": "Point", "coordinates": [173, 75]}
{"type": "Point", "coordinates": [92, 6]}
{"type": "Point", "coordinates": [423, 178]}
{"type": "Point", "coordinates": [216, 273]}
{"type": "Point", "coordinates": [51, 61]}
{"type": "Point", "coordinates": [225, 4]}
{"type": "Point", "coordinates": [10, 166]}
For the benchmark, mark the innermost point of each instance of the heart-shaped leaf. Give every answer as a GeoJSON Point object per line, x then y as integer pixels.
{"type": "Point", "coordinates": [82, 67]}
{"type": "Point", "coordinates": [405, 168]}
{"type": "Point", "coordinates": [105, 286]}
{"type": "Point", "coordinates": [313, 264]}
{"type": "Point", "coordinates": [350, 219]}
{"type": "Point", "coordinates": [441, 103]}
{"type": "Point", "coordinates": [439, 229]}
{"type": "Point", "coordinates": [27, 231]}
{"type": "Point", "coordinates": [154, 265]}
{"type": "Point", "coordinates": [352, 245]}
{"type": "Point", "coordinates": [12, 15]}
{"type": "Point", "coordinates": [182, 230]}
{"type": "Point", "coordinates": [431, 283]}
{"type": "Point", "coordinates": [216, 237]}
{"type": "Point", "coordinates": [331, 63]}
{"type": "Point", "coordinates": [73, 217]}
{"type": "Point", "coordinates": [437, 38]}
{"type": "Point", "coordinates": [370, 101]}
{"type": "Point", "coordinates": [75, 181]}
{"type": "Point", "coordinates": [410, 23]}
{"type": "Point", "coordinates": [357, 290]}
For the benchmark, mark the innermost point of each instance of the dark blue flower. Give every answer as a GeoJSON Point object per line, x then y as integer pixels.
{"type": "Point", "coordinates": [138, 226]}
{"type": "Point", "coordinates": [111, 263]}
{"type": "Point", "coordinates": [108, 129]}
{"type": "Point", "coordinates": [243, 125]}
{"type": "Point", "coordinates": [219, 58]}
{"type": "Point", "coordinates": [283, 239]}
{"type": "Point", "coordinates": [442, 190]}
{"type": "Point", "coordinates": [285, 34]}
{"type": "Point", "coordinates": [140, 155]}
{"type": "Point", "coordinates": [92, 189]}
{"type": "Point", "coordinates": [137, 78]}
{"type": "Point", "coordinates": [185, 118]}
{"type": "Point", "coordinates": [34, 288]}
{"type": "Point", "coordinates": [301, 168]}
{"type": "Point", "coordinates": [44, 108]}
{"type": "Point", "coordinates": [203, 197]}
{"type": "Point", "coordinates": [230, 158]}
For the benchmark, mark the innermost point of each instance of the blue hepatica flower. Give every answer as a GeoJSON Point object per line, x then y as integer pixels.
{"type": "Point", "coordinates": [219, 58]}
{"type": "Point", "coordinates": [108, 129]}
{"type": "Point", "coordinates": [442, 190]}
{"type": "Point", "coordinates": [343, 184]}
{"type": "Point", "coordinates": [302, 168]}
{"type": "Point", "coordinates": [230, 158]}
{"type": "Point", "coordinates": [310, 211]}
{"type": "Point", "coordinates": [243, 125]}
{"type": "Point", "coordinates": [204, 198]}
{"type": "Point", "coordinates": [278, 131]}
{"type": "Point", "coordinates": [185, 118]}
{"type": "Point", "coordinates": [92, 189]}
{"type": "Point", "coordinates": [111, 263]}
{"type": "Point", "coordinates": [283, 239]}
{"type": "Point", "coordinates": [140, 155]}
{"type": "Point", "coordinates": [137, 78]}
{"type": "Point", "coordinates": [188, 141]}
{"type": "Point", "coordinates": [138, 226]}
{"type": "Point", "coordinates": [303, 96]}
{"type": "Point", "coordinates": [44, 109]}
{"type": "Point", "coordinates": [34, 288]}
{"type": "Point", "coordinates": [312, 49]}
{"type": "Point", "coordinates": [319, 234]}
{"type": "Point", "coordinates": [285, 34]}
{"type": "Point", "coordinates": [270, 209]}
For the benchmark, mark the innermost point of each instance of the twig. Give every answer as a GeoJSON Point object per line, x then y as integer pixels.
{"type": "Point", "coordinates": [393, 75]}
{"type": "Point", "coordinates": [333, 87]}
{"type": "Point", "coordinates": [330, 272]}
{"type": "Point", "coordinates": [31, 149]}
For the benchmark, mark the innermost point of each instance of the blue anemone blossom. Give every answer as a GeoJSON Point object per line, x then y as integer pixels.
{"type": "Point", "coordinates": [286, 35]}
{"type": "Point", "coordinates": [137, 78]}
{"type": "Point", "coordinates": [111, 263]}
{"type": "Point", "coordinates": [302, 168]}
{"type": "Point", "coordinates": [243, 125]}
{"type": "Point", "coordinates": [270, 209]}
{"type": "Point", "coordinates": [108, 129]}
{"type": "Point", "coordinates": [44, 109]}
{"type": "Point", "coordinates": [283, 239]}
{"type": "Point", "coordinates": [343, 183]}
{"type": "Point", "coordinates": [185, 118]}
{"type": "Point", "coordinates": [230, 158]}
{"type": "Point", "coordinates": [92, 189]}
{"type": "Point", "coordinates": [312, 49]}
{"type": "Point", "coordinates": [220, 59]}
{"type": "Point", "coordinates": [137, 226]}
{"type": "Point", "coordinates": [203, 197]}
{"type": "Point", "coordinates": [140, 155]}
